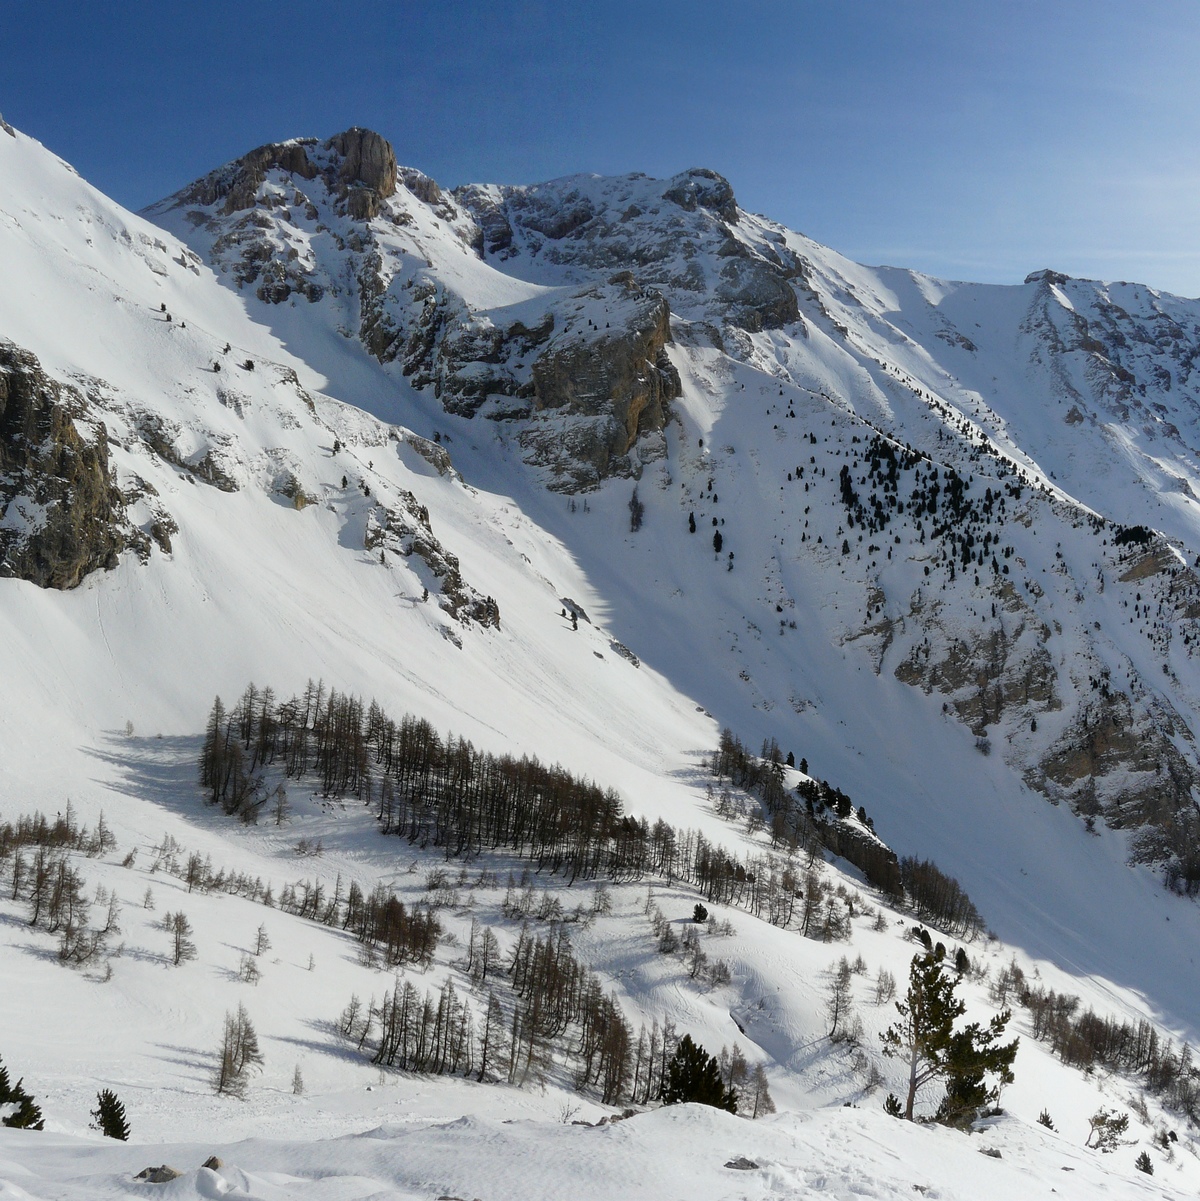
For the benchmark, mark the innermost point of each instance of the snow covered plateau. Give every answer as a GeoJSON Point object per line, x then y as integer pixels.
{"type": "Point", "coordinates": [585, 471]}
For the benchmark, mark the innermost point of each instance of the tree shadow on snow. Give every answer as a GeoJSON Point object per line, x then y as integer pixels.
{"type": "Point", "coordinates": [202, 1063]}
{"type": "Point", "coordinates": [332, 1043]}
{"type": "Point", "coordinates": [161, 770]}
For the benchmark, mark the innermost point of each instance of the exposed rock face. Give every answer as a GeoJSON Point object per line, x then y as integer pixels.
{"type": "Point", "coordinates": [340, 222]}
{"type": "Point", "coordinates": [588, 393]}
{"type": "Point", "coordinates": [1125, 757]}
{"type": "Point", "coordinates": [676, 235]}
{"type": "Point", "coordinates": [159, 435]}
{"type": "Point", "coordinates": [702, 188]}
{"type": "Point", "coordinates": [421, 186]}
{"type": "Point", "coordinates": [405, 530]}
{"type": "Point", "coordinates": [61, 514]}
{"type": "Point", "coordinates": [237, 183]}
{"type": "Point", "coordinates": [1040, 695]}
{"type": "Point", "coordinates": [486, 205]}
{"type": "Point", "coordinates": [759, 296]}
{"type": "Point", "coordinates": [1117, 759]}
{"type": "Point", "coordinates": [1120, 762]}
{"type": "Point", "coordinates": [367, 159]}
{"type": "Point", "coordinates": [1110, 349]}
{"type": "Point", "coordinates": [361, 170]}
{"type": "Point", "coordinates": [986, 673]}
{"type": "Point", "coordinates": [621, 382]}
{"type": "Point", "coordinates": [436, 456]}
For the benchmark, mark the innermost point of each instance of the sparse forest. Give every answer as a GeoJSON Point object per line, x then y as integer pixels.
{"type": "Point", "coordinates": [1087, 1040]}
{"type": "Point", "coordinates": [828, 818]}
{"type": "Point", "coordinates": [443, 792]}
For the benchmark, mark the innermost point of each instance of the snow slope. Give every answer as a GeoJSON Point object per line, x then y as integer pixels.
{"type": "Point", "coordinates": [676, 1152]}
{"type": "Point", "coordinates": [871, 352]}
{"type": "Point", "coordinates": [255, 587]}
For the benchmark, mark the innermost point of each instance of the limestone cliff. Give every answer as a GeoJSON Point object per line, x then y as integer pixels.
{"type": "Point", "coordinates": [61, 514]}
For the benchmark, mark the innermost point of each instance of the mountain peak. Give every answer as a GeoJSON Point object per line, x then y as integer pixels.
{"type": "Point", "coordinates": [357, 160]}
{"type": "Point", "coordinates": [701, 187]}
{"type": "Point", "coordinates": [367, 159]}
{"type": "Point", "coordinates": [1046, 276]}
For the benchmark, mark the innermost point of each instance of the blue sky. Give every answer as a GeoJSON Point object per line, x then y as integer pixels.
{"type": "Point", "coordinates": [969, 139]}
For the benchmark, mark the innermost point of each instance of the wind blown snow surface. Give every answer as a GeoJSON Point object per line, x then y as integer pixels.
{"type": "Point", "coordinates": [258, 587]}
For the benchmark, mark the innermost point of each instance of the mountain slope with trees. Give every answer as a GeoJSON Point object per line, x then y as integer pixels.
{"type": "Point", "coordinates": [586, 473]}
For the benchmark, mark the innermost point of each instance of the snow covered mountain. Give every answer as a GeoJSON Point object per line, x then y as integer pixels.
{"type": "Point", "coordinates": [587, 470]}
{"type": "Point", "coordinates": [987, 490]}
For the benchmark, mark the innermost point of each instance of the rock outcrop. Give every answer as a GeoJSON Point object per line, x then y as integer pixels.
{"type": "Point", "coordinates": [61, 513]}
{"type": "Point", "coordinates": [585, 382]}
{"type": "Point", "coordinates": [358, 165]}
{"type": "Point", "coordinates": [405, 530]}
{"type": "Point", "coordinates": [367, 160]}
{"type": "Point", "coordinates": [236, 184]}
{"type": "Point", "coordinates": [618, 382]}
{"type": "Point", "coordinates": [702, 188]}
{"type": "Point", "coordinates": [1119, 761]}
{"type": "Point", "coordinates": [984, 673]}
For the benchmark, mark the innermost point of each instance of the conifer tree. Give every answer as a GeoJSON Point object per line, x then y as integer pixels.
{"type": "Point", "coordinates": [180, 930]}
{"type": "Point", "coordinates": [760, 1093]}
{"type": "Point", "coordinates": [109, 1116]}
{"type": "Point", "coordinates": [694, 1075]}
{"type": "Point", "coordinates": [239, 1053]}
{"type": "Point", "coordinates": [27, 1115]}
{"type": "Point", "coordinates": [925, 1040]}
{"type": "Point", "coordinates": [839, 1002]}
{"type": "Point", "coordinates": [1105, 1128]}
{"type": "Point", "coordinates": [637, 511]}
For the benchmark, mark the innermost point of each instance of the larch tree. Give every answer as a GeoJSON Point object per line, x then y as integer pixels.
{"type": "Point", "coordinates": [180, 930]}
{"type": "Point", "coordinates": [239, 1054]}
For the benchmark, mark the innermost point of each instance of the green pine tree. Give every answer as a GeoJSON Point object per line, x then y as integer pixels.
{"type": "Point", "coordinates": [694, 1075]}
{"type": "Point", "coordinates": [109, 1116]}
{"type": "Point", "coordinates": [27, 1115]}
{"type": "Point", "coordinates": [925, 1040]}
